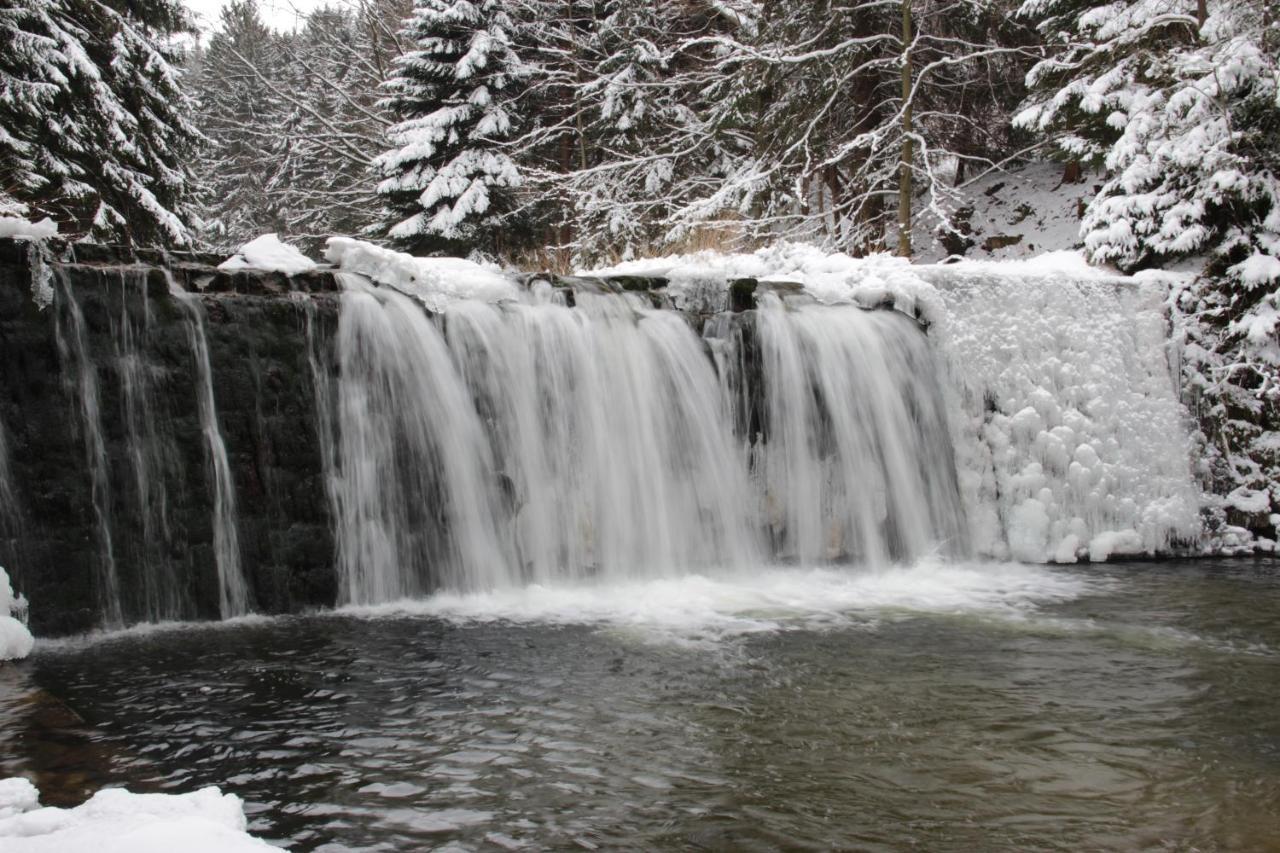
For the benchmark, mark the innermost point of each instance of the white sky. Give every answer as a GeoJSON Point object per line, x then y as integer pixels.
{"type": "Point", "coordinates": [278, 14]}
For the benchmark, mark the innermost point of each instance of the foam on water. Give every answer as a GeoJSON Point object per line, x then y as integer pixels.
{"type": "Point", "coordinates": [709, 607]}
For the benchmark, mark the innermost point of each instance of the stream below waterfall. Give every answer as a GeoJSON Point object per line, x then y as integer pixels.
{"type": "Point", "coordinates": [939, 706]}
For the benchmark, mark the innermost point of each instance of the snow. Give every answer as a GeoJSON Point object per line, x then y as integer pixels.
{"type": "Point", "coordinates": [1258, 269]}
{"type": "Point", "coordinates": [117, 821]}
{"type": "Point", "coordinates": [268, 253]}
{"type": "Point", "coordinates": [436, 282]}
{"type": "Point", "coordinates": [1029, 206]}
{"type": "Point", "coordinates": [17, 227]}
{"type": "Point", "coordinates": [17, 795]}
{"type": "Point", "coordinates": [15, 640]}
{"type": "Point", "coordinates": [831, 278]}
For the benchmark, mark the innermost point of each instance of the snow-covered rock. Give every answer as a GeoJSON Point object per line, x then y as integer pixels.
{"type": "Point", "coordinates": [15, 640]}
{"type": "Point", "coordinates": [268, 253]}
{"type": "Point", "coordinates": [16, 226]}
{"type": "Point", "coordinates": [436, 282]}
{"type": "Point", "coordinates": [116, 821]}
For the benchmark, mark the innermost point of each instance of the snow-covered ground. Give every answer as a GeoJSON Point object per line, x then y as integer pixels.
{"type": "Point", "coordinates": [117, 821]}
{"type": "Point", "coordinates": [15, 226]}
{"type": "Point", "coordinates": [1016, 214]}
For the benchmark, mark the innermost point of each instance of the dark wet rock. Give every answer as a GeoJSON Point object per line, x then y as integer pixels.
{"type": "Point", "coordinates": [256, 326]}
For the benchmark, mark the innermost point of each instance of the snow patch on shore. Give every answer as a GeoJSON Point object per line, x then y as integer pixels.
{"type": "Point", "coordinates": [116, 821]}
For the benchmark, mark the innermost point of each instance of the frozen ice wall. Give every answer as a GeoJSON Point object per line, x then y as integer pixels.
{"type": "Point", "coordinates": [1070, 440]}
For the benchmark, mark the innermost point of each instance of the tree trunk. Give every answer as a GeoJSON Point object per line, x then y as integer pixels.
{"type": "Point", "coordinates": [904, 178]}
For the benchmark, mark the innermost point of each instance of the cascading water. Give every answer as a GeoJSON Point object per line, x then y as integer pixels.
{"type": "Point", "coordinates": [147, 451]}
{"type": "Point", "coordinates": [856, 458]}
{"type": "Point", "coordinates": [608, 435]}
{"type": "Point", "coordinates": [82, 386]}
{"type": "Point", "coordinates": [528, 441]}
{"type": "Point", "coordinates": [233, 591]}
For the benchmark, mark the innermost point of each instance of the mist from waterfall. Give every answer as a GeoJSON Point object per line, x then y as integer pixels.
{"type": "Point", "coordinates": [529, 442]}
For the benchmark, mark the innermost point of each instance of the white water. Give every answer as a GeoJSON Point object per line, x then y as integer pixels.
{"type": "Point", "coordinates": [698, 608]}
{"type": "Point", "coordinates": [82, 386]}
{"type": "Point", "coordinates": [857, 460]}
{"type": "Point", "coordinates": [415, 497]}
{"type": "Point", "coordinates": [233, 592]}
{"type": "Point", "coordinates": [518, 443]}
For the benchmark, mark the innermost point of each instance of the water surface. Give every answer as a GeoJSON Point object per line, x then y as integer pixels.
{"type": "Point", "coordinates": [1121, 707]}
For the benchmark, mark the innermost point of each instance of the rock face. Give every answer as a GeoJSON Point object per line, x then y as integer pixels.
{"type": "Point", "coordinates": [106, 470]}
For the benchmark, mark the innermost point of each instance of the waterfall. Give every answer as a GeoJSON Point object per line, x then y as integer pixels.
{"type": "Point", "coordinates": [82, 386]}
{"type": "Point", "coordinates": [159, 592]}
{"type": "Point", "coordinates": [856, 460]}
{"type": "Point", "coordinates": [608, 436]}
{"type": "Point", "coordinates": [529, 442]}
{"type": "Point", "coordinates": [416, 497]}
{"type": "Point", "coordinates": [233, 591]}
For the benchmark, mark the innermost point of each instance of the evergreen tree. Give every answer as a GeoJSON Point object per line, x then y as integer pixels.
{"type": "Point", "coordinates": [242, 116]}
{"type": "Point", "coordinates": [94, 126]}
{"type": "Point", "coordinates": [448, 177]}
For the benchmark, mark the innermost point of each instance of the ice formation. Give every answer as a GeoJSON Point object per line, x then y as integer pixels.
{"type": "Point", "coordinates": [15, 640]}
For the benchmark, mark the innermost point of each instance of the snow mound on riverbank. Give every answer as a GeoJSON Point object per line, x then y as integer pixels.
{"type": "Point", "coordinates": [269, 254]}
{"type": "Point", "coordinates": [116, 821]}
{"type": "Point", "coordinates": [15, 640]}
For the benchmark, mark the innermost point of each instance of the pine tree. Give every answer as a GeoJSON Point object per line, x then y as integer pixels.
{"type": "Point", "coordinates": [94, 125]}
{"type": "Point", "coordinates": [242, 116]}
{"type": "Point", "coordinates": [448, 177]}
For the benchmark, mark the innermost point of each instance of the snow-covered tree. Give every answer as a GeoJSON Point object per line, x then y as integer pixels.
{"type": "Point", "coordinates": [1179, 105]}
{"type": "Point", "coordinates": [95, 128]}
{"type": "Point", "coordinates": [335, 67]}
{"type": "Point", "coordinates": [449, 176]}
{"type": "Point", "coordinates": [819, 94]}
{"type": "Point", "coordinates": [242, 116]}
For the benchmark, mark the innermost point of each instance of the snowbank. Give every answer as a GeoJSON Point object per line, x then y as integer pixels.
{"type": "Point", "coordinates": [14, 226]}
{"type": "Point", "coordinates": [435, 282]}
{"type": "Point", "coordinates": [15, 640]}
{"type": "Point", "coordinates": [268, 253]}
{"type": "Point", "coordinates": [116, 821]}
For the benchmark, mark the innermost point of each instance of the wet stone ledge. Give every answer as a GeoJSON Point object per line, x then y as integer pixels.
{"type": "Point", "coordinates": [264, 332]}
